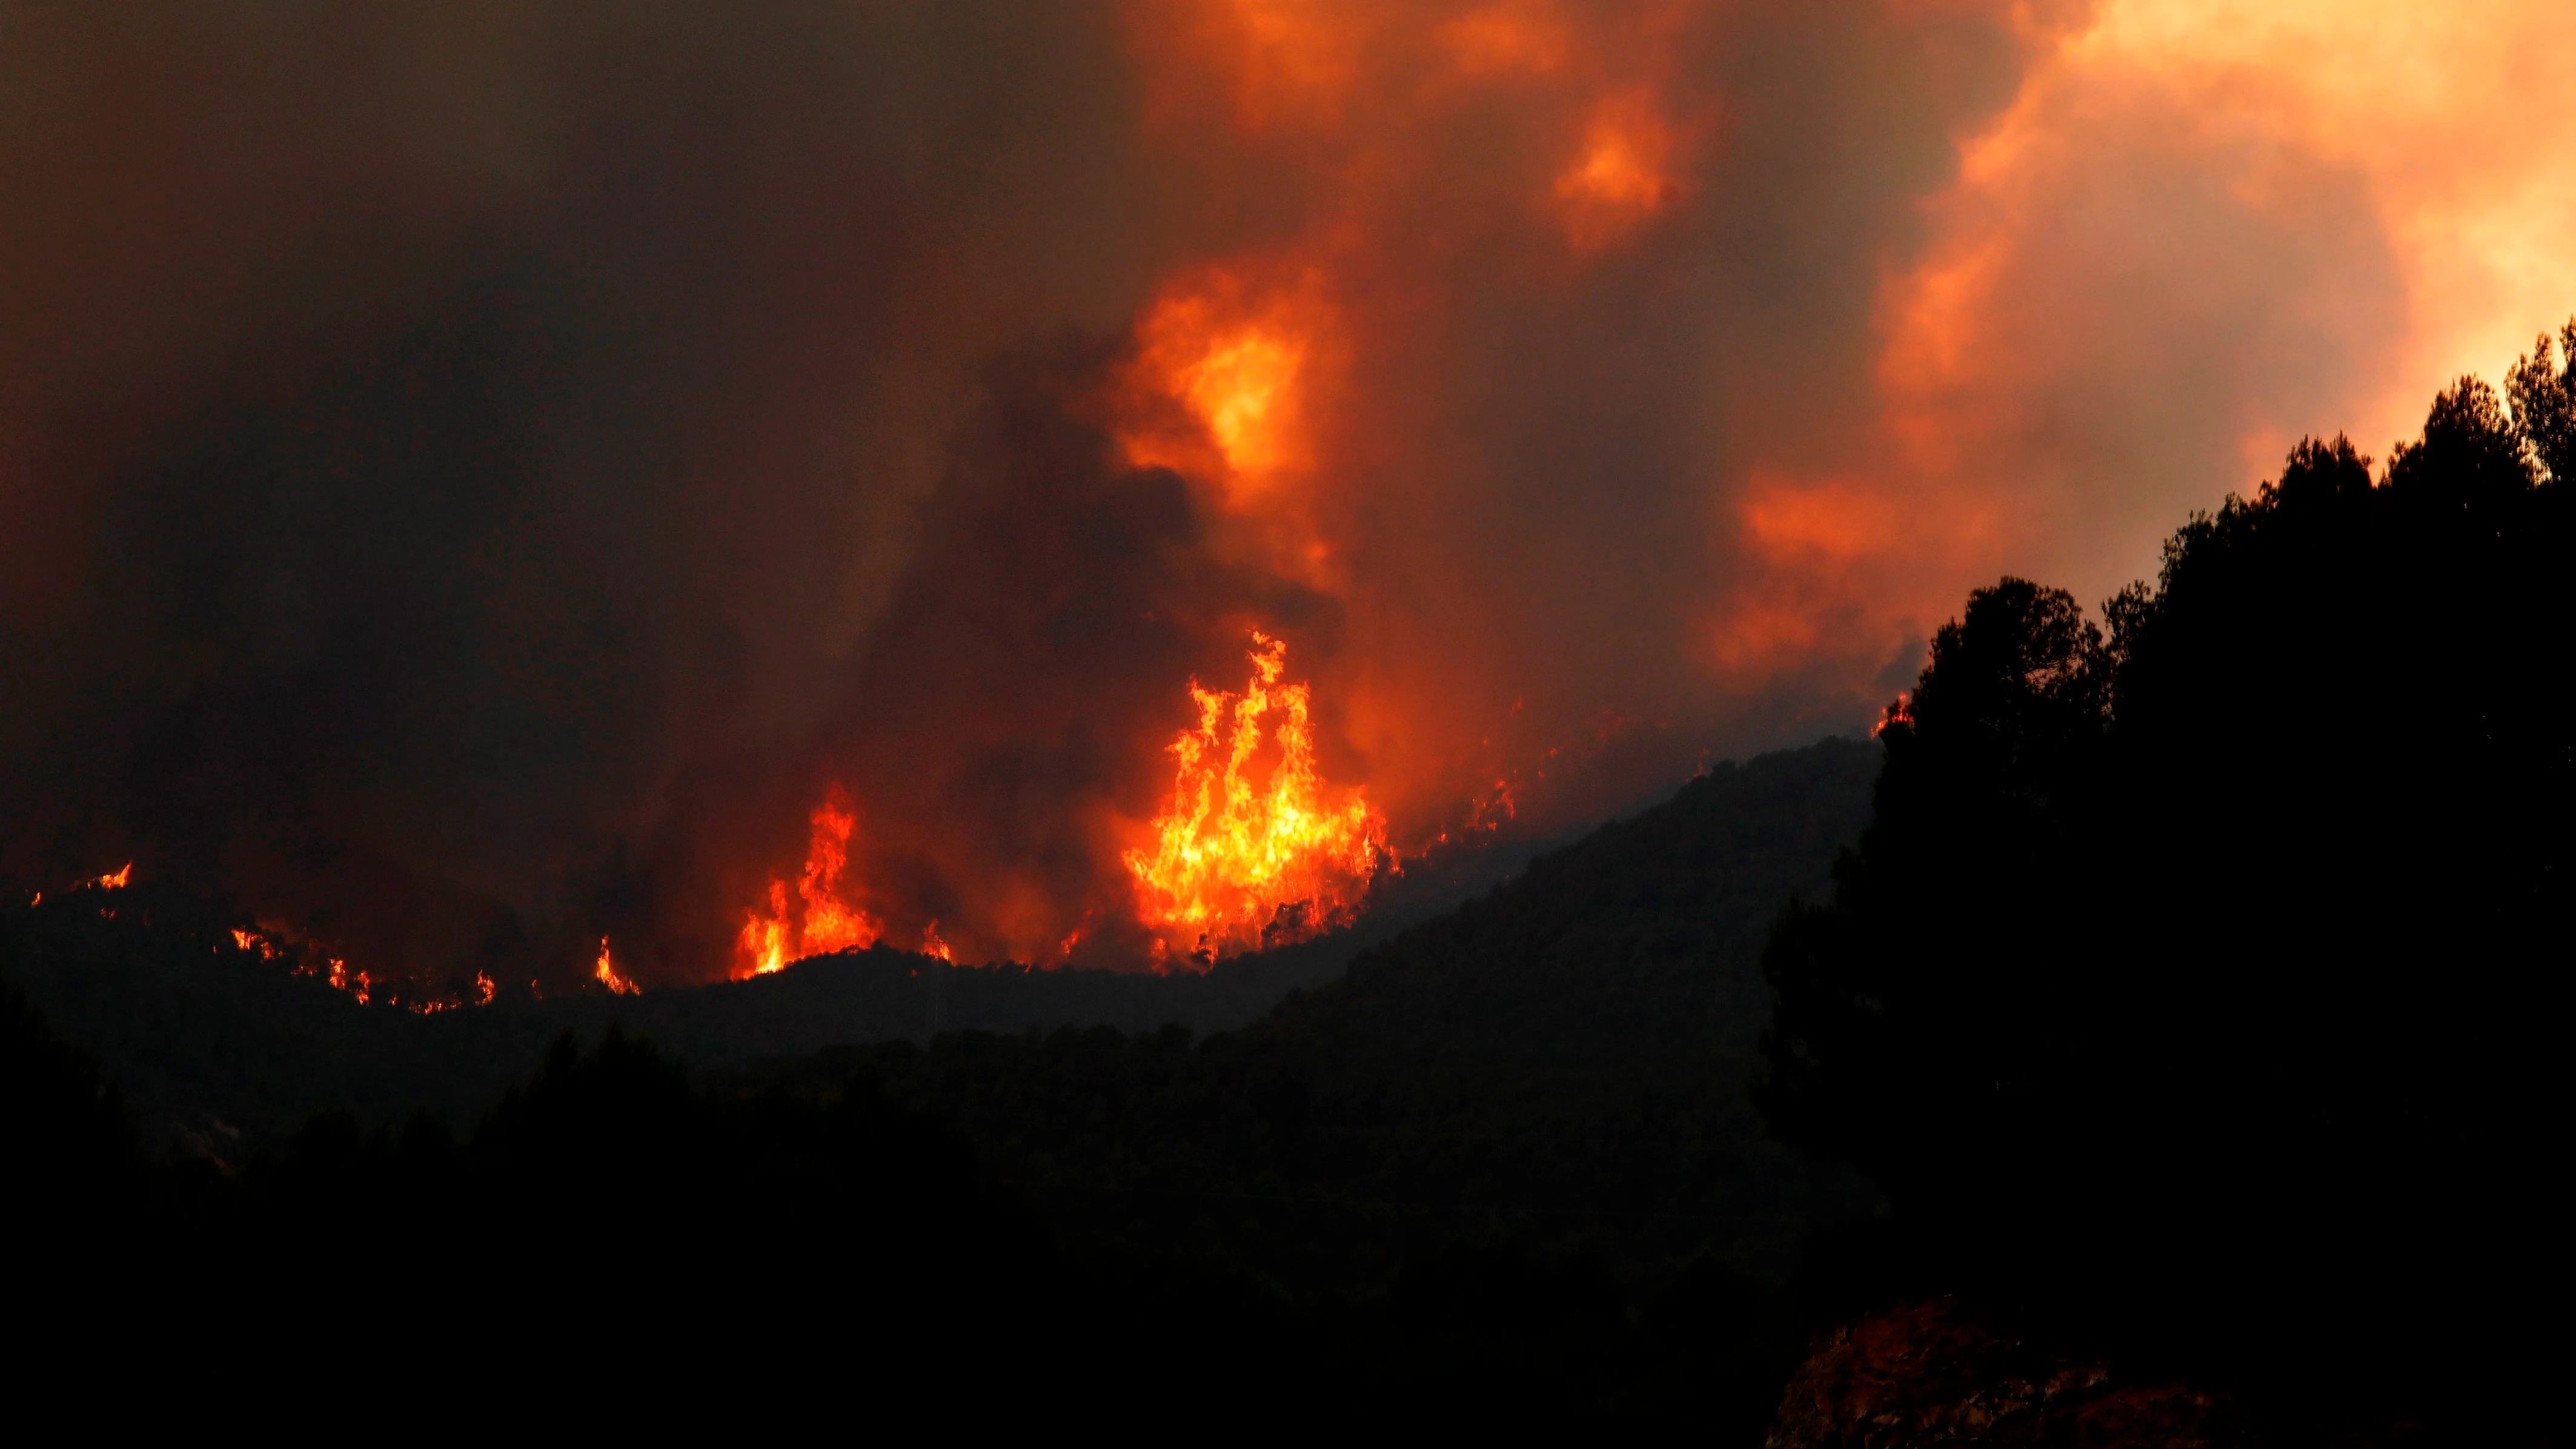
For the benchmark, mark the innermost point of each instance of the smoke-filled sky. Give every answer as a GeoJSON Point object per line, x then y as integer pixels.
{"type": "Point", "coordinates": [473, 476]}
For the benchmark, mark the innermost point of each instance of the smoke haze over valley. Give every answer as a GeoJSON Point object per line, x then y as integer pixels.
{"type": "Point", "coordinates": [1788, 722]}
{"type": "Point", "coordinates": [480, 479]}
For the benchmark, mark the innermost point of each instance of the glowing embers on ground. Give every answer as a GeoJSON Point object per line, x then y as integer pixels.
{"type": "Point", "coordinates": [1238, 864]}
{"type": "Point", "coordinates": [303, 956]}
{"type": "Point", "coordinates": [112, 881]}
{"type": "Point", "coordinates": [825, 922]}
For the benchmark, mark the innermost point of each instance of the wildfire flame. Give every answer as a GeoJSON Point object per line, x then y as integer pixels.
{"type": "Point", "coordinates": [1899, 713]}
{"type": "Point", "coordinates": [272, 941]}
{"type": "Point", "coordinates": [1237, 865]}
{"type": "Point", "coordinates": [762, 945]}
{"type": "Point", "coordinates": [604, 972]}
{"type": "Point", "coordinates": [117, 880]}
{"type": "Point", "coordinates": [931, 945]}
{"type": "Point", "coordinates": [829, 923]}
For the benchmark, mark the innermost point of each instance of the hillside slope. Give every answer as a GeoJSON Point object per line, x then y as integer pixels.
{"type": "Point", "coordinates": [1507, 1162]}
{"type": "Point", "coordinates": [219, 1050]}
{"type": "Point", "coordinates": [1572, 1048]}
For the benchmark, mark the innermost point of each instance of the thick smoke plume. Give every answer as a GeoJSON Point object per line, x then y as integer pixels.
{"type": "Point", "coordinates": [476, 475]}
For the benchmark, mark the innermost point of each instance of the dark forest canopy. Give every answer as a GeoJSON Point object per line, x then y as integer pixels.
{"type": "Point", "coordinates": [2208, 973]}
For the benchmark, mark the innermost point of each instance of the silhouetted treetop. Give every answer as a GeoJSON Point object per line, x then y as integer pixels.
{"type": "Point", "coordinates": [2544, 404]}
{"type": "Point", "coordinates": [2192, 966]}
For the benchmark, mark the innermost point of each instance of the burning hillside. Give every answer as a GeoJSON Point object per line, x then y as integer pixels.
{"type": "Point", "coordinates": [1252, 850]}
{"type": "Point", "coordinates": [741, 488]}
{"type": "Point", "coordinates": [824, 920]}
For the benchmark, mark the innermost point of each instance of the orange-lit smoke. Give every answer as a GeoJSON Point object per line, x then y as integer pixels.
{"type": "Point", "coordinates": [1622, 176]}
{"type": "Point", "coordinates": [2200, 231]}
{"type": "Point", "coordinates": [1242, 859]}
{"type": "Point", "coordinates": [1440, 189]}
{"type": "Point", "coordinates": [827, 922]}
{"type": "Point", "coordinates": [1238, 366]}
{"type": "Point", "coordinates": [1674, 362]}
{"type": "Point", "coordinates": [1235, 369]}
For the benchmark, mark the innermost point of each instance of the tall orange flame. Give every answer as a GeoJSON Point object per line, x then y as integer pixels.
{"type": "Point", "coordinates": [604, 972]}
{"type": "Point", "coordinates": [763, 945]}
{"type": "Point", "coordinates": [1237, 865]}
{"type": "Point", "coordinates": [829, 923]}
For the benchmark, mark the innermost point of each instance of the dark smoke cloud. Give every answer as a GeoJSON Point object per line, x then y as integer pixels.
{"type": "Point", "coordinates": [432, 435]}
{"type": "Point", "coordinates": [475, 474]}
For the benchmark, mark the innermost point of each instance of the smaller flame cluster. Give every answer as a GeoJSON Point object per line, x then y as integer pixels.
{"type": "Point", "coordinates": [822, 919]}
{"type": "Point", "coordinates": [304, 956]}
{"type": "Point", "coordinates": [1901, 712]}
{"type": "Point", "coordinates": [112, 881]}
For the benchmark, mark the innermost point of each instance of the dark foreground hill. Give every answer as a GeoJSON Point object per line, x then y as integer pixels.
{"type": "Point", "coordinates": [1503, 1169]}
{"type": "Point", "coordinates": [1572, 1050]}
{"type": "Point", "coordinates": [2199, 987]}
{"type": "Point", "coordinates": [2194, 996]}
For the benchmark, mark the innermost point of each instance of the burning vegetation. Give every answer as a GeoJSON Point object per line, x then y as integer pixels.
{"type": "Point", "coordinates": [1242, 859]}
{"type": "Point", "coordinates": [604, 971]}
{"type": "Point", "coordinates": [1251, 848]}
{"type": "Point", "coordinates": [824, 921]}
